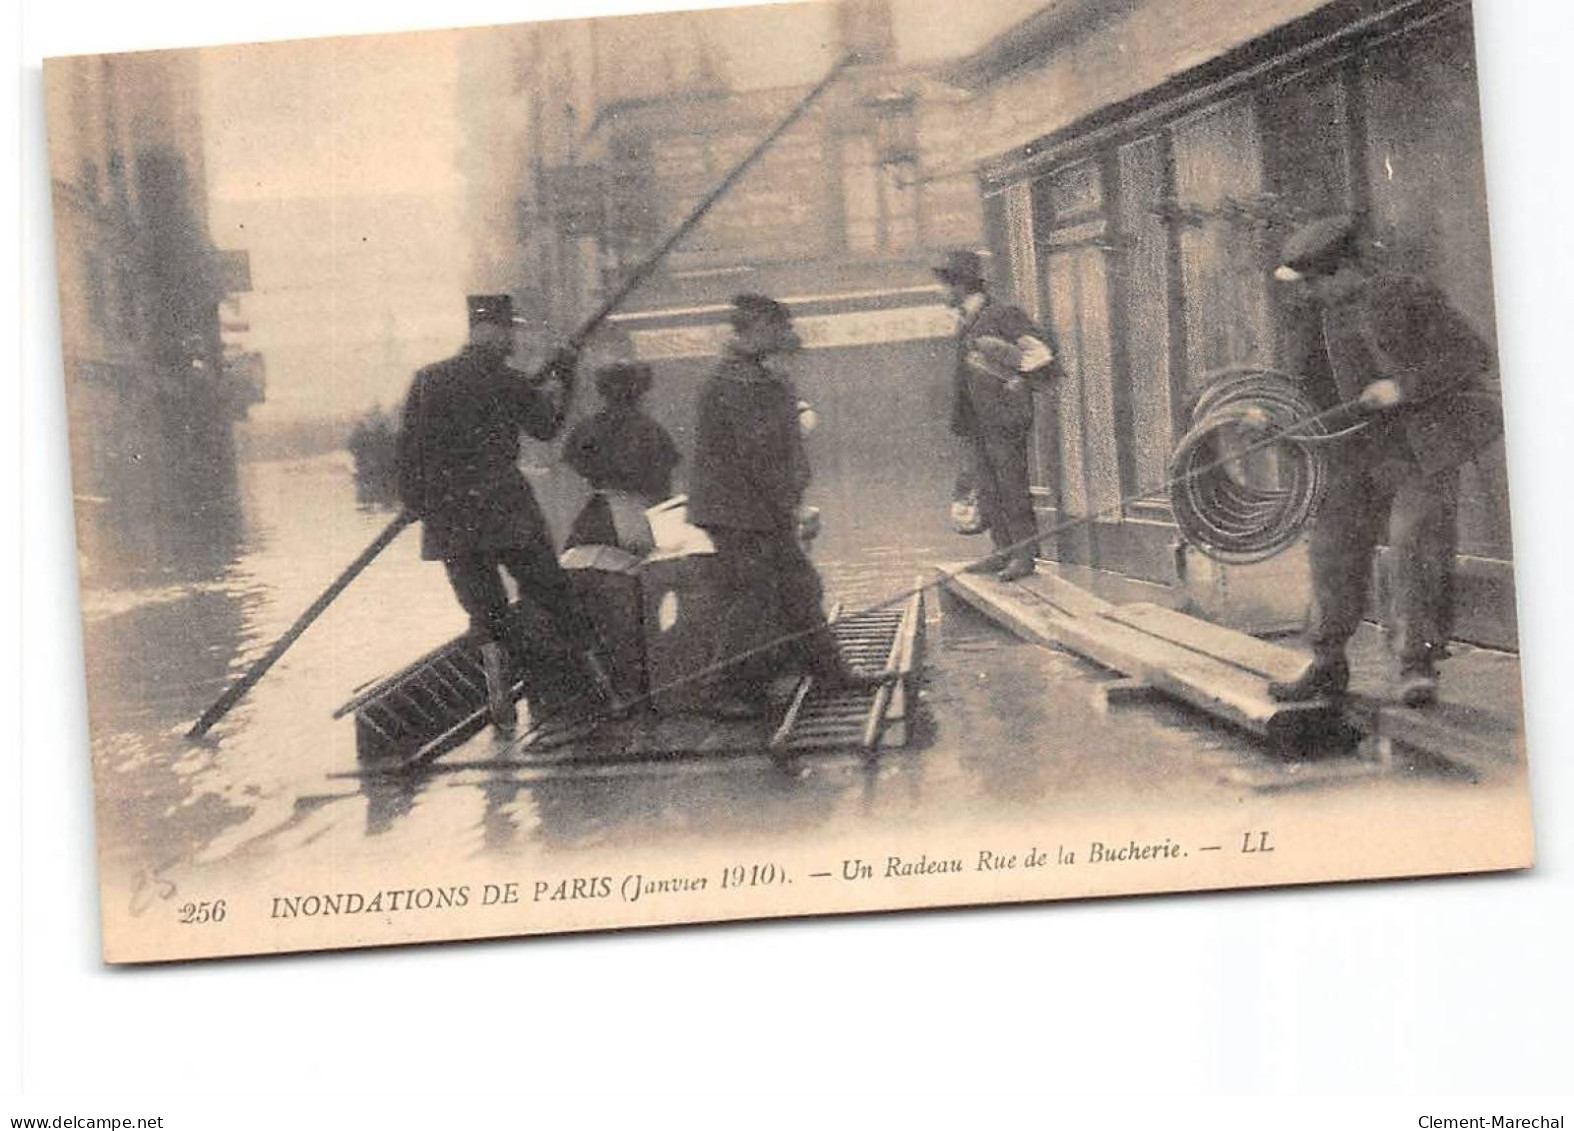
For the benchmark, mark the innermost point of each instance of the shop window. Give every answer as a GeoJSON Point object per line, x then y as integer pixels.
{"type": "Point", "coordinates": [1224, 249]}
{"type": "Point", "coordinates": [1142, 293]}
{"type": "Point", "coordinates": [1070, 237]}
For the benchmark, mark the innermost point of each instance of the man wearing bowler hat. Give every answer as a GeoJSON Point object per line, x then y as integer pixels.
{"type": "Point", "coordinates": [1416, 375]}
{"type": "Point", "coordinates": [458, 458]}
{"type": "Point", "coordinates": [1001, 355]}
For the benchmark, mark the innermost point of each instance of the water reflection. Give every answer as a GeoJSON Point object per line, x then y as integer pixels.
{"type": "Point", "coordinates": [1004, 727]}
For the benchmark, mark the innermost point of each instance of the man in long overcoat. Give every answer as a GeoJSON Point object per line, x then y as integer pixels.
{"type": "Point", "coordinates": [1001, 355]}
{"type": "Point", "coordinates": [458, 456]}
{"type": "Point", "coordinates": [746, 483]}
{"type": "Point", "coordinates": [1419, 376]}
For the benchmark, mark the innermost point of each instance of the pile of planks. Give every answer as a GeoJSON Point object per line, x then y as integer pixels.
{"type": "Point", "coordinates": [1226, 673]}
{"type": "Point", "coordinates": [1218, 670]}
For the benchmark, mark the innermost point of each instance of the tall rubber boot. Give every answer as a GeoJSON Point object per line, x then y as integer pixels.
{"type": "Point", "coordinates": [1418, 684]}
{"type": "Point", "coordinates": [1326, 678]}
{"type": "Point", "coordinates": [1021, 565]}
{"type": "Point", "coordinates": [591, 661]}
{"type": "Point", "coordinates": [499, 689]}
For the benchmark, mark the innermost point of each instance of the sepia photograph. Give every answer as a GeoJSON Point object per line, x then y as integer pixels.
{"type": "Point", "coordinates": [783, 461]}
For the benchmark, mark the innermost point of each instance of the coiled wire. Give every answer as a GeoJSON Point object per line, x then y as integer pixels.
{"type": "Point", "coordinates": [1248, 509]}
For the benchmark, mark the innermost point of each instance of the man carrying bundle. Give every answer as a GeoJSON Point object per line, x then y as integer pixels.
{"type": "Point", "coordinates": [1416, 373]}
{"type": "Point", "coordinates": [1000, 356]}
{"type": "Point", "coordinates": [458, 458]}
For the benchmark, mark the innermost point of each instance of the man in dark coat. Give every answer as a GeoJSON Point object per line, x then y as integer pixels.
{"type": "Point", "coordinates": [1001, 355]}
{"type": "Point", "coordinates": [746, 485]}
{"type": "Point", "coordinates": [1419, 377]}
{"type": "Point", "coordinates": [458, 457]}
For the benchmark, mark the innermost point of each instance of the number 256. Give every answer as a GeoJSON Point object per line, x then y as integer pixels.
{"type": "Point", "coordinates": [204, 912]}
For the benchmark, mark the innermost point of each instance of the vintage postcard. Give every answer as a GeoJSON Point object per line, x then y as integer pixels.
{"type": "Point", "coordinates": [783, 461]}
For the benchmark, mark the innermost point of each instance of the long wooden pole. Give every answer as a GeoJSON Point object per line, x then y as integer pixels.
{"type": "Point", "coordinates": [650, 262]}
{"type": "Point", "coordinates": [246, 682]}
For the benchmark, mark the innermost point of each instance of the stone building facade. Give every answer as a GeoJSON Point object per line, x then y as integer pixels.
{"type": "Point", "coordinates": [151, 405]}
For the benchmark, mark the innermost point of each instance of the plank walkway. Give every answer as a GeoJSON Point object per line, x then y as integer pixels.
{"type": "Point", "coordinates": [1476, 728]}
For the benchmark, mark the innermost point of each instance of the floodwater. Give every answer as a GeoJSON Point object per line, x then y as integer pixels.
{"type": "Point", "coordinates": [1006, 728]}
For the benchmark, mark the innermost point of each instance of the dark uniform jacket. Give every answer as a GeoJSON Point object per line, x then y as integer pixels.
{"type": "Point", "coordinates": [622, 449]}
{"type": "Point", "coordinates": [459, 455]}
{"type": "Point", "coordinates": [984, 402]}
{"type": "Point", "coordinates": [1401, 328]}
{"type": "Point", "coordinates": [749, 470]}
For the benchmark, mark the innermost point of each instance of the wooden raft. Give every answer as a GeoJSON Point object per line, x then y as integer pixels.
{"type": "Point", "coordinates": [438, 702]}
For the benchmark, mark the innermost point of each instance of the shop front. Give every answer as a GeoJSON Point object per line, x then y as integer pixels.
{"type": "Point", "coordinates": [1146, 229]}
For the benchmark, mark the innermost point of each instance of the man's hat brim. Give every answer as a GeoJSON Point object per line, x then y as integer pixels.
{"type": "Point", "coordinates": [947, 275]}
{"type": "Point", "coordinates": [490, 310]}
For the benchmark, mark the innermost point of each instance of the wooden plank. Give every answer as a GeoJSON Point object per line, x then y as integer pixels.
{"type": "Point", "coordinates": [447, 740]}
{"type": "Point", "coordinates": [882, 695]}
{"type": "Point", "coordinates": [790, 719]}
{"type": "Point", "coordinates": [1467, 738]}
{"type": "Point", "coordinates": [1070, 599]}
{"type": "Point", "coordinates": [895, 735]}
{"type": "Point", "coordinates": [1222, 690]}
{"type": "Point", "coordinates": [1118, 691]}
{"type": "Point", "coordinates": [1036, 621]}
{"type": "Point", "coordinates": [897, 711]}
{"type": "Point", "coordinates": [896, 730]}
{"type": "Point", "coordinates": [912, 626]}
{"type": "Point", "coordinates": [1272, 661]}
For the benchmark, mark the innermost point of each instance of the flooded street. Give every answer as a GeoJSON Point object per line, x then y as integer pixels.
{"type": "Point", "coordinates": [1008, 730]}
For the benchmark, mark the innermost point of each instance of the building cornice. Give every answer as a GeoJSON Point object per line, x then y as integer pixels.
{"type": "Point", "coordinates": [1028, 41]}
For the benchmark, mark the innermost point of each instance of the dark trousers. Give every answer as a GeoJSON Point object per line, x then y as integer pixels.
{"type": "Point", "coordinates": [1419, 513]}
{"type": "Point", "coordinates": [773, 602]}
{"type": "Point", "coordinates": [478, 583]}
{"type": "Point", "coordinates": [1000, 463]}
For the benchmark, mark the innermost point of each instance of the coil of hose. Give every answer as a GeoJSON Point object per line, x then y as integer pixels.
{"type": "Point", "coordinates": [1262, 415]}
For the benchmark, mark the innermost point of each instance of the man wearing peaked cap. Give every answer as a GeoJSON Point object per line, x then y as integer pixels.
{"type": "Point", "coordinates": [1001, 354]}
{"type": "Point", "coordinates": [1418, 376]}
{"type": "Point", "coordinates": [497, 310]}
{"type": "Point", "coordinates": [458, 457]}
{"type": "Point", "coordinates": [1318, 247]}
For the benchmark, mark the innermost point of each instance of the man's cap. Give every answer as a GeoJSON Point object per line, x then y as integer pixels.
{"type": "Point", "coordinates": [753, 308]}
{"type": "Point", "coordinates": [1319, 246]}
{"type": "Point", "coordinates": [625, 380]}
{"type": "Point", "coordinates": [965, 267]}
{"type": "Point", "coordinates": [494, 310]}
